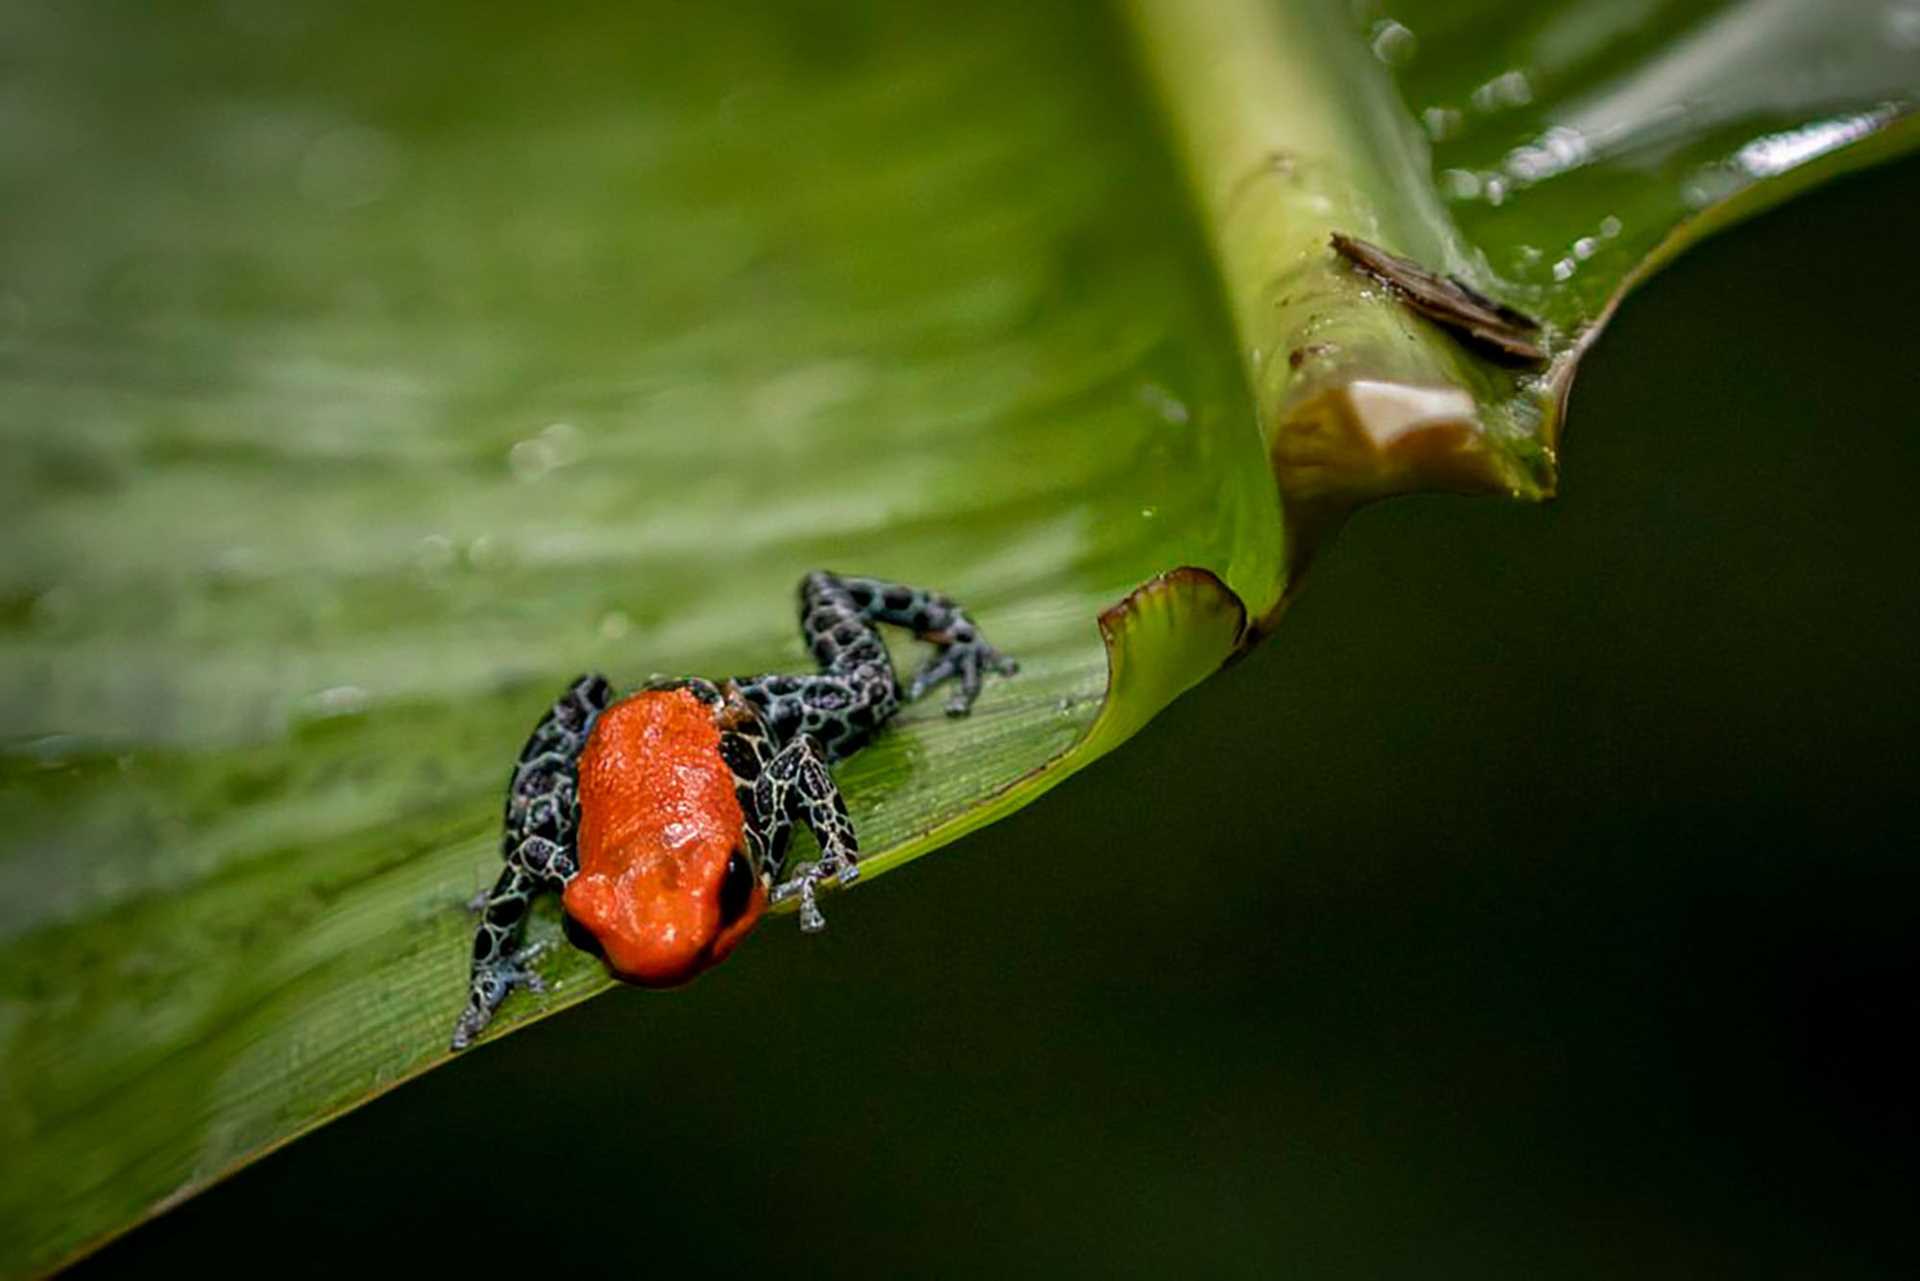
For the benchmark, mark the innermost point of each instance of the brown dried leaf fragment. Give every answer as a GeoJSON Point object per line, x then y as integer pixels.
{"type": "Point", "coordinates": [1449, 301]}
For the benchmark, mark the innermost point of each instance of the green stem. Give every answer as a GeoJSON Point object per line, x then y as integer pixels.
{"type": "Point", "coordinates": [1290, 131]}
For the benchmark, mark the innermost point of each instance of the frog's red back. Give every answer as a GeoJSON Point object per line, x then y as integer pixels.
{"type": "Point", "coordinates": [658, 822]}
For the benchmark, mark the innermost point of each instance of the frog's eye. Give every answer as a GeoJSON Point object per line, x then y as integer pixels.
{"type": "Point", "coordinates": [580, 936]}
{"type": "Point", "coordinates": [736, 888]}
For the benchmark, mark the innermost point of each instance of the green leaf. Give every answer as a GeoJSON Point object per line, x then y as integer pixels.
{"type": "Point", "coordinates": [365, 380]}
{"type": "Point", "coordinates": [1548, 156]}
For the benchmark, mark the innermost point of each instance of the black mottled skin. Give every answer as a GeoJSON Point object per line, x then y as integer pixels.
{"type": "Point", "coordinates": [778, 735]}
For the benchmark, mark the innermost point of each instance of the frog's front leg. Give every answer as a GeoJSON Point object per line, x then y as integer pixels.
{"type": "Point", "coordinates": [542, 814]}
{"type": "Point", "coordinates": [796, 788]}
{"type": "Point", "coordinates": [498, 965]}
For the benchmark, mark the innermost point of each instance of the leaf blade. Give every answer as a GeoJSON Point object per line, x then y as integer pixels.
{"type": "Point", "coordinates": [306, 552]}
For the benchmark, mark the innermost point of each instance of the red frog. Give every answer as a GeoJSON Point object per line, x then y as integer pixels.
{"type": "Point", "coordinates": [664, 817]}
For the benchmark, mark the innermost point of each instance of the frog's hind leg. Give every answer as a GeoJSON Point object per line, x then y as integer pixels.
{"type": "Point", "coordinates": [827, 600]}
{"type": "Point", "coordinates": [538, 844]}
{"type": "Point", "coordinates": [856, 689]}
{"type": "Point", "coordinates": [820, 718]}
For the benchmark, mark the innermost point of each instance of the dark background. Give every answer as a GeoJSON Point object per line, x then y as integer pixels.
{"type": "Point", "coordinates": [1539, 901]}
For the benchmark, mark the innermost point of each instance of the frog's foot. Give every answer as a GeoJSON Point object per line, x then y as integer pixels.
{"type": "Point", "coordinates": [492, 981]}
{"type": "Point", "coordinates": [806, 886]}
{"type": "Point", "coordinates": [966, 655]}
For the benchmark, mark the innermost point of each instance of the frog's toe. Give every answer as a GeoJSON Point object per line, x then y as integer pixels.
{"type": "Point", "coordinates": [968, 662]}
{"type": "Point", "coordinates": [806, 887]}
{"type": "Point", "coordinates": [471, 1023]}
{"type": "Point", "coordinates": [490, 986]}
{"type": "Point", "coordinates": [517, 971]}
{"type": "Point", "coordinates": [937, 669]}
{"type": "Point", "coordinates": [812, 920]}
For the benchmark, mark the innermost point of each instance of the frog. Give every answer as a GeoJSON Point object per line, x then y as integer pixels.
{"type": "Point", "coordinates": [663, 818]}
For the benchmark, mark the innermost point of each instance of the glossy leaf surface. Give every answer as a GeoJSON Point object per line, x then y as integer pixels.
{"type": "Point", "coordinates": [365, 380]}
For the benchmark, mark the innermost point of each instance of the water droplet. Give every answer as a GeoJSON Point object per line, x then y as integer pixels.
{"type": "Point", "coordinates": [1148, 513]}
{"type": "Point", "coordinates": [563, 442]}
{"type": "Point", "coordinates": [1776, 153]}
{"type": "Point", "coordinates": [1508, 89]}
{"type": "Point", "coordinates": [1710, 184]}
{"type": "Point", "coordinates": [338, 700]}
{"type": "Point", "coordinates": [1609, 227]}
{"type": "Point", "coordinates": [1393, 43]}
{"type": "Point", "coordinates": [433, 553]}
{"type": "Point", "coordinates": [1495, 190]}
{"type": "Point", "coordinates": [1460, 184]}
{"type": "Point", "coordinates": [555, 445]}
{"type": "Point", "coordinates": [1556, 151]}
{"type": "Point", "coordinates": [485, 552]}
{"type": "Point", "coordinates": [1441, 123]}
{"type": "Point", "coordinates": [1585, 247]}
{"type": "Point", "coordinates": [1163, 402]}
{"type": "Point", "coordinates": [530, 459]}
{"type": "Point", "coordinates": [1563, 270]}
{"type": "Point", "coordinates": [239, 561]}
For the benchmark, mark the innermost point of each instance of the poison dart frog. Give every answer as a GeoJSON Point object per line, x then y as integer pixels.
{"type": "Point", "coordinates": [663, 818]}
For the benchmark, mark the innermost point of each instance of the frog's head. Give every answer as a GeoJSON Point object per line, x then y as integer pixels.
{"type": "Point", "coordinates": [660, 919]}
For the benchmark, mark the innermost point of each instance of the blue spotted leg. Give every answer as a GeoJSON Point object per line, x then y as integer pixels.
{"type": "Point", "coordinates": [855, 692]}
{"type": "Point", "coordinates": [819, 718]}
{"type": "Point", "coordinates": [538, 845]}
